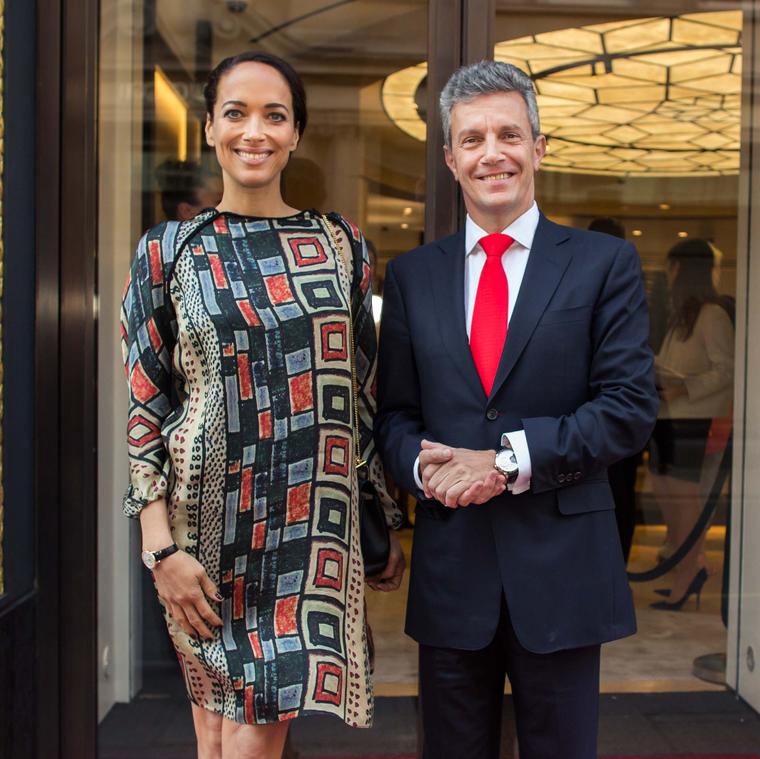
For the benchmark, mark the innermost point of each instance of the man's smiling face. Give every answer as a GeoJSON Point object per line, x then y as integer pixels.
{"type": "Point", "coordinates": [253, 130]}
{"type": "Point", "coordinates": [494, 157]}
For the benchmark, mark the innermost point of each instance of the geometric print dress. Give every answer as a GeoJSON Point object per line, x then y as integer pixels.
{"type": "Point", "coordinates": [235, 334]}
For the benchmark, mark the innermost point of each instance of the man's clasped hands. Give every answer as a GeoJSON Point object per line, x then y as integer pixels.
{"type": "Point", "coordinates": [459, 476]}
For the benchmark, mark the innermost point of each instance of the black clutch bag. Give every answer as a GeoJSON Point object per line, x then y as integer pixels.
{"type": "Point", "coordinates": [374, 531]}
{"type": "Point", "coordinates": [375, 536]}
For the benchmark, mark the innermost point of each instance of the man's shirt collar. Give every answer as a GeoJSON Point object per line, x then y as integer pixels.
{"type": "Point", "coordinates": [522, 230]}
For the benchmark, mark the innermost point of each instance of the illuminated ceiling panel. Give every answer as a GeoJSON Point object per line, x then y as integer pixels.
{"type": "Point", "coordinates": [656, 96]}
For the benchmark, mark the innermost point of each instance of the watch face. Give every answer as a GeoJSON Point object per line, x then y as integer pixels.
{"type": "Point", "coordinates": [148, 559]}
{"type": "Point", "coordinates": [506, 462]}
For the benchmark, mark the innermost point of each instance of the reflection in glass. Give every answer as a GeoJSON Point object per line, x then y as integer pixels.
{"type": "Point", "coordinates": [187, 188]}
{"type": "Point", "coordinates": [639, 111]}
{"type": "Point", "coordinates": [652, 96]}
{"type": "Point", "coordinates": [695, 381]}
{"type": "Point", "coordinates": [649, 96]}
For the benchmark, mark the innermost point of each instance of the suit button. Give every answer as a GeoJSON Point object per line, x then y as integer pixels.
{"type": "Point", "coordinates": [561, 477]}
{"type": "Point", "coordinates": [492, 415]}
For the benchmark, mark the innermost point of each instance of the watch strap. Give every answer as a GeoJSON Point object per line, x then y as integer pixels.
{"type": "Point", "coordinates": [165, 552]}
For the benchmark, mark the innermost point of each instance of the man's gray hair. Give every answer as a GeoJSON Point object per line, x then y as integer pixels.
{"type": "Point", "coordinates": [487, 78]}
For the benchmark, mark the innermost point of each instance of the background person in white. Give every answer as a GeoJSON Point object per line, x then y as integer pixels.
{"type": "Point", "coordinates": [528, 582]}
{"type": "Point", "coordinates": [694, 369]}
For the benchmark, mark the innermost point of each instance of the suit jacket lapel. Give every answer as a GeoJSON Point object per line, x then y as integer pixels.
{"type": "Point", "coordinates": [447, 278]}
{"type": "Point", "coordinates": [546, 265]}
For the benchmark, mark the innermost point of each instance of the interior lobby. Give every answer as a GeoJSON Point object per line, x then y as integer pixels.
{"type": "Point", "coordinates": [645, 108]}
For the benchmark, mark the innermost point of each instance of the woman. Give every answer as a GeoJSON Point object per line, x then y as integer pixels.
{"type": "Point", "coordinates": [695, 380]}
{"type": "Point", "coordinates": [236, 340]}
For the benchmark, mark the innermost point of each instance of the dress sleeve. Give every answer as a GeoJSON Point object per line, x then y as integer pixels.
{"type": "Point", "coordinates": [365, 347]}
{"type": "Point", "coordinates": [716, 332]}
{"type": "Point", "coordinates": [148, 337]}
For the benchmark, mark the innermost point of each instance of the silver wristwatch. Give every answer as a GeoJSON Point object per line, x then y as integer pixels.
{"type": "Point", "coordinates": [151, 558]}
{"type": "Point", "coordinates": [506, 461]}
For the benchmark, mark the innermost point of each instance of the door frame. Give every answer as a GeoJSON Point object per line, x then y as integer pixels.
{"type": "Point", "coordinates": [742, 675]}
{"type": "Point", "coordinates": [468, 40]}
{"type": "Point", "coordinates": [21, 635]}
{"type": "Point", "coordinates": [47, 378]}
{"type": "Point", "coordinates": [65, 386]}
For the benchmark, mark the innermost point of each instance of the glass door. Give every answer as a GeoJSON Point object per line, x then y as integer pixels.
{"type": "Point", "coordinates": [642, 112]}
{"type": "Point", "coordinates": [744, 612]}
{"type": "Point", "coordinates": [363, 154]}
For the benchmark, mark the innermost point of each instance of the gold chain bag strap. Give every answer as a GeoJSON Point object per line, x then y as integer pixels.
{"type": "Point", "coordinates": [375, 538]}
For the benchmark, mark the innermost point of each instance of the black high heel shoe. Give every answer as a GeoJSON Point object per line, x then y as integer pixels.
{"type": "Point", "coordinates": [695, 587]}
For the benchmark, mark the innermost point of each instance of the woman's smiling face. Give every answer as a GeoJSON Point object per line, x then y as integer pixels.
{"type": "Point", "coordinates": [253, 129]}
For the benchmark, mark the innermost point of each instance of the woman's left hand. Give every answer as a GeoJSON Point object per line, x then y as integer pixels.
{"type": "Point", "coordinates": [390, 578]}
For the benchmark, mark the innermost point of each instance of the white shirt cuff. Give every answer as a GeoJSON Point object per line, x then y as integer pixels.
{"type": "Point", "coordinates": [417, 473]}
{"type": "Point", "coordinates": [519, 444]}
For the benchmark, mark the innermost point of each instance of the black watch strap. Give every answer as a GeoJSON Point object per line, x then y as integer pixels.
{"type": "Point", "coordinates": [512, 476]}
{"type": "Point", "coordinates": [164, 552]}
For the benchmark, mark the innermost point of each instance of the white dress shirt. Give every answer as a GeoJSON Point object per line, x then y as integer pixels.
{"type": "Point", "coordinates": [514, 260]}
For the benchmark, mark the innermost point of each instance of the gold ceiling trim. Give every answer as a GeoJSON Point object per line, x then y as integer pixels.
{"type": "Point", "coordinates": [653, 96]}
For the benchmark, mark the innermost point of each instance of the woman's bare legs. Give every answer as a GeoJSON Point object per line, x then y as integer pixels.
{"type": "Point", "coordinates": [681, 503]}
{"type": "Point", "coordinates": [220, 738]}
{"type": "Point", "coordinates": [208, 732]}
{"type": "Point", "coordinates": [661, 490]}
{"type": "Point", "coordinates": [253, 741]}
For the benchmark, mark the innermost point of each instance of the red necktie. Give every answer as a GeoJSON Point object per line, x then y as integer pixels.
{"type": "Point", "coordinates": [489, 317]}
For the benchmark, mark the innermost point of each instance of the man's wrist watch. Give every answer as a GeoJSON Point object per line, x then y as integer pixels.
{"type": "Point", "coordinates": [506, 461]}
{"type": "Point", "coordinates": [151, 558]}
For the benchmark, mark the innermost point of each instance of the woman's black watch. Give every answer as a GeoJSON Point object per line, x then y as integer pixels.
{"type": "Point", "coordinates": [151, 558]}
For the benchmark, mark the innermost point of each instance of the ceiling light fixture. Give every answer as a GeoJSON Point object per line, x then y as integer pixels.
{"type": "Point", "coordinates": [639, 97]}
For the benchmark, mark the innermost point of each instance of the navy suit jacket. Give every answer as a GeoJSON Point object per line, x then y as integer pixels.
{"type": "Point", "coordinates": [577, 375]}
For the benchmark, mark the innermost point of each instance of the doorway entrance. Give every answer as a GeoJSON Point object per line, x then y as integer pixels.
{"type": "Point", "coordinates": [643, 113]}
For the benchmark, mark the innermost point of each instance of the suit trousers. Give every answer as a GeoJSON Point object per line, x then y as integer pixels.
{"type": "Point", "coordinates": [555, 696]}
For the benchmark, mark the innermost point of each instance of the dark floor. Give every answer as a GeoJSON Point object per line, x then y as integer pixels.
{"type": "Point", "coordinates": [631, 725]}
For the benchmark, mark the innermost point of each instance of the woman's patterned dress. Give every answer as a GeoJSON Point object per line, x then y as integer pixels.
{"type": "Point", "coordinates": [236, 342]}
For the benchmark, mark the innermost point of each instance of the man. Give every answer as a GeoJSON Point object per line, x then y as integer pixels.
{"type": "Point", "coordinates": [514, 369]}
{"type": "Point", "coordinates": [187, 188]}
